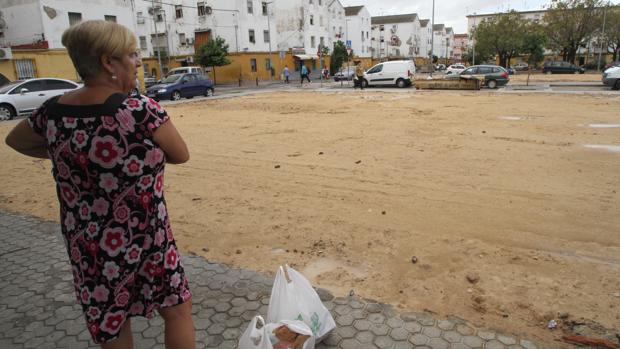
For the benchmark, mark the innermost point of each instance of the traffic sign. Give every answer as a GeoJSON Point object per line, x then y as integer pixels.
{"type": "Point", "coordinates": [349, 44]}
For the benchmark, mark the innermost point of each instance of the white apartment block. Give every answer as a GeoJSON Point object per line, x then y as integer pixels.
{"type": "Point", "coordinates": [396, 36]}
{"type": "Point", "coordinates": [425, 37]}
{"type": "Point", "coordinates": [40, 23]}
{"type": "Point", "coordinates": [336, 23]}
{"type": "Point", "coordinates": [357, 30]}
{"type": "Point", "coordinates": [302, 25]}
{"type": "Point", "coordinates": [442, 41]}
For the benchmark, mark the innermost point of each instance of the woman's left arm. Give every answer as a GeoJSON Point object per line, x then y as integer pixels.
{"type": "Point", "coordinates": [26, 141]}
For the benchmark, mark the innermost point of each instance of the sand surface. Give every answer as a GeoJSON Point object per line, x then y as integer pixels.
{"type": "Point", "coordinates": [348, 187]}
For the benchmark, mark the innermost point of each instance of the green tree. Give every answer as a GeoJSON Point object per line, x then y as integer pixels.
{"type": "Point", "coordinates": [339, 56]}
{"type": "Point", "coordinates": [213, 54]}
{"type": "Point", "coordinates": [501, 35]}
{"type": "Point", "coordinates": [612, 31]}
{"type": "Point", "coordinates": [570, 24]}
{"type": "Point", "coordinates": [533, 47]}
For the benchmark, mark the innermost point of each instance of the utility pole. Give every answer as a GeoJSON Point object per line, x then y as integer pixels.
{"type": "Point", "coordinates": [432, 38]}
{"type": "Point", "coordinates": [269, 30]}
{"type": "Point", "coordinates": [600, 52]}
{"type": "Point", "coordinates": [473, 40]}
{"type": "Point", "coordinates": [157, 38]}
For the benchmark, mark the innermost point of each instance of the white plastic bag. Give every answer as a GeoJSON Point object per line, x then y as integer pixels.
{"type": "Point", "coordinates": [297, 300]}
{"type": "Point", "coordinates": [264, 338]}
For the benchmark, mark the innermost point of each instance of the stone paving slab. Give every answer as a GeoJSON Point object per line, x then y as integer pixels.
{"type": "Point", "coordinates": [38, 308]}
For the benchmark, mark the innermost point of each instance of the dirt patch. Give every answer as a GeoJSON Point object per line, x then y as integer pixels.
{"type": "Point", "coordinates": [349, 187]}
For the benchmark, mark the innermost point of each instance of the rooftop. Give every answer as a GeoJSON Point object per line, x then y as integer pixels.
{"type": "Point", "coordinates": [352, 10]}
{"type": "Point", "coordinates": [410, 17]}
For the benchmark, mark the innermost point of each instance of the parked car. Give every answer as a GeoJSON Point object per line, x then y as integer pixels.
{"type": "Point", "coordinates": [511, 71]}
{"type": "Point", "coordinates": [611, 77]}
{"type": "Point", "coordinates": [398, 73]}
{"type": "Point", "coordinates": [440, 67]}
{"type": "Point", "coordinates": [186, 70]}
{"type": "Point", "coordinates": [559, 67]}
{"type": "Point", "coordinates": [520, 66]}
{"type": "Point", "coordinates": [4, 80]}
{"type": "Point", "coordinates": [611, 65]}
{"type": "Point", "coordinates": [455, 68]}
{"type": "Point", "coordinates": [149, 81]}
{"type": "Point", "coordinates": [491, 76]}
{"type": "Point", "coordinates": [345, 73]}
{"type": "Point", "coordinates": [177, 86]}
{"type": "Point", "coordinates": [24, 96]}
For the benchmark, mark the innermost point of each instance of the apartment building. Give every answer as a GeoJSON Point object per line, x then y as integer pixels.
{"type": "Point", "coordinates": [358, 28]}
{"type": "Point", "coordinates": [396, 36]}
{"type": "Point", "coordinates": [459, 46]}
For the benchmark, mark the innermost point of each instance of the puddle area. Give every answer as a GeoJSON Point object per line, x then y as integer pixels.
{"type": "Point", "coordinates": [327, 272]}
{"type": "Point", "coordinates": [610, 148]}
{"type": "Point", "coordinates": [604, 125]}
{"type": "Point", "coordinates": [511, 118]}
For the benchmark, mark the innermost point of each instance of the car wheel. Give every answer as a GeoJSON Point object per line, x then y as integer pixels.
{"type": "Point", "coordinates": [548, 72]}
{"type": "Point", "coordinates": [616, 85]}
{"type": "Point", "coordinates": [6, 112]}
{"type": "Point", "coordinates": [401, 83]}
{"type": "Point", "coordinates": [577, 72]}
{"type": "Point", "coordinates": [364, 83]}
{"type": "Point", "coordinates": [492, 84]}
{"type": "Point", "coordinates": [176, 95]}
{"type": "Point", "coordinates": [209, 92]}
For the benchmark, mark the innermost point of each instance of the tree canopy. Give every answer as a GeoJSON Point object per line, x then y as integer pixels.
{"type": "Point", "coordinates": [503, 35]}
{"type": "Point", "coordinates": [213, 54]}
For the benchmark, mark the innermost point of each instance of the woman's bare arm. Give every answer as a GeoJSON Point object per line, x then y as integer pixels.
{"type": "Point", "coordinates": [171, 142]}
{"type": "Point", "coordinates": [24, 140]}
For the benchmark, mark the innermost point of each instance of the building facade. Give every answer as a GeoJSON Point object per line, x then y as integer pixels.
{"type": "Point", "coordinates": [459, 46]}
{"type": "Point", "coordinates": [397, 36]}
{"type": "Point", "coordinates": [358, 29]}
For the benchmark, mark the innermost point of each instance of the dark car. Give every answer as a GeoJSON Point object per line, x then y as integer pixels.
{"type": "Point", "coordinates": [559, 67]}
{"type": "Point", "coordinates": [179, 86]}
{"type": "Point", "coordinates": [491, 76]}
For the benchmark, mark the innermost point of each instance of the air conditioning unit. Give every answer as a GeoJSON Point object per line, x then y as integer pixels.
{"type": "Point", "coordinates": [5, 53]}
{"type": "Point", "coordinates": [190, 41]}
{"type": "Point", "coordinates": [208, 10]}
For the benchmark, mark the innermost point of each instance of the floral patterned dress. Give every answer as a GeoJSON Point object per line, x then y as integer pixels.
{"type": "Point", "coordinates": [110, 177]}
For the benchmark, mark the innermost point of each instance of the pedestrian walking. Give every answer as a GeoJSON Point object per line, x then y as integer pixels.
{"type": "Point", "coordinates": [108, 152]}
{"type": "Point", "coordinates": [287, 74]}
{"type": "Point", "coordinates": [359, 73]}
{"type": "Point", "coordinates": [304, 73]}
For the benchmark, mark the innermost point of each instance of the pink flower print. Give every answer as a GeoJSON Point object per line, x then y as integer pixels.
{"type": "Point", "coordinates": [156, 257]}
{"type": "Point", "coordinates": [108, 182]}
{"type": "Point", "coordinates": [85, 295]}
{"type": "Point", "coordinates": [79, 138]}
{"type": "Point", "coordinates": [122, 298]}
{"type": "Point", "coordinates": [93, 328]}
{"type": "Point", "coordinates": [159, 237]}
{"type": "Point", "coordinates": [147, 291]}
{"type": "Point", "coordinates": [133, 104]}
{"type": "Point", "coordinates": [159, 184]}
{"type": "Point", "coordinates": [145, 182]}
{"type": "Point", "coordinates": [63, 170]}
{"type": "Point", "coordinates": [161, 211]}
{"type": "Point", "coordinates": [154, 157]}
{"type": "Point", "coordinates": [133, 254]}
{"type": "Point", "coordinates": [133, 166]}
{"type": "Point", "coordinates": [171, 300]}
{"type": "Point", "coordinates": [52, 131]}
{"type": "Point", "coordinates": [92, 230]}
{"type": "Point", "coordinates": [113, 321]}
{"type": "Point", "coordinates": [110, 270]}
{"type": "Point", "coordinates": [121, 214]}
{"type": "Point", "coordinates": [148, 270]}
{"type": "Point", "coordinates": [136, 308]}
{"type": "Point", "coordinates": [101, 205]}
{"type": "Point", "coordinates": [69, 221]}
{"type": "Point", "coordinates": [105, 152]}
{"type": "Point", "coordinates": [113, 241]}
{"type": "Point", "coordinates": [84, 211]}
{"type": "Point", "coordinates": [70, 122]}
{"type": "Point", "coordinates": [67, 194]}
{"type": "Point", "coordinates": [175, 280]}
{"type": "Point", "coordinates": [153, 105]}
{"type": "Point", "coordinates": [172, 258]}
{"type": "Point", "coordinates": [148, 241]}
{"type": "Point", "coordinates": [101, 293]}
{"type": "Point", "coordinates": [109, 123]}
{"type": "Point", "coordinates": [126, 120]}
{"type": "Point", "coordinates": [145, 199]}
{"type": "Point", "coordinates": [185, 295]}
{"type": "Point", "coordinates": [81, 158]}
{"type": "Point", "coordinates": [169, 232]}
{"type": "Point", "coordinates": [93, 313]}
{"type": "Point", "coordinates": [76, 255]}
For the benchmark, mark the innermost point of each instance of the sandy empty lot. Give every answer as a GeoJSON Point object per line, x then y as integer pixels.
{"type": "Point", "coordinates": [349, 186]}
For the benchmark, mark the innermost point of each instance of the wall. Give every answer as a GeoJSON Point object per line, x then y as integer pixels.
{"type": "Point", "coordinates": [48, 63]}
{"type": "Point", "coordinates": [23, 19]}
{"type": "Point", "coordinates": [355, 25]}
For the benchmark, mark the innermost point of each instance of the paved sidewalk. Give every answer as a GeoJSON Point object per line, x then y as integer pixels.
{"type": "Point", "coordinates": [38, 308]}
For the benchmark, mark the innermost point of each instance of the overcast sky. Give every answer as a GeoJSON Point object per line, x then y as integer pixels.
{"type": "Point", "coordinates": [451, 13]}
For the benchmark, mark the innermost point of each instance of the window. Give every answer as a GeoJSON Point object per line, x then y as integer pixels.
{"type": "Point", "coordinates": [312, 42]}
{"type": "Point", "coordinates": [250, 6]}
{"type": "Point", "coordinates": [143, 43]}
{"type": "Point", "coordinates": [59, 85]}
{"type": "Point", "coordinates": [253, 65]}
{"type": "Point", "coordinates": [264, 9]}
{"type": "Point", "coordinates": [321, 21]}
{"type": "Point", "coordinates": [320, 2]}
{"type": "Point", "coordinates": [267, 64]}
{"type": "Point", "coordinates": [376, 69]}
{"type": "Point", "coordinates": [140, 17]}
{"type": "Point", "coordinates": [322, 41]}
{"type": "Point", "coordinates": [266, 36]}
{"type": "Point", "coordinates": [362, 35]}
{"type": "Point", "coordinates": [252, 38]}
{"type": "Point", "coordinates": [109, 18]}
{"type": "Point", "coordinates": [470, 71]}
{"type": "Point", "coordinates": [485, 70]}
{"type": "Point", "coordinates": [311, 19]}
{"type": "Point", "coordinates": [182, 39]}
{"type": "Point", "coordinates": [32, 86]}
{"type": "Point", "coordinates": [178, 11]}
{"type": "Point", "coordinates": [74, 18]}
{"type": "Point", "coordinates": [202, 11]}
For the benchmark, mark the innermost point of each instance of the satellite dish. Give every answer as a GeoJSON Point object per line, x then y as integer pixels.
{"type": "Point", "coordinates": [208, 10]}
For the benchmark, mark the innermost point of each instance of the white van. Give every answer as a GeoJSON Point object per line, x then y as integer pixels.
{"type": "Point", "coordinates": [184, 70]}
{"type": "Point", "coordinates": [397, 73]}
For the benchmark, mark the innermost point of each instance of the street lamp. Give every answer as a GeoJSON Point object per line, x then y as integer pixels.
{"type": "Point", "coordinates": [473, 40]}
{"type": "Point", "coordinates": [598, 66]}
{"type": "Point", "coordinates": [432, 38]}
{"type": "Point", "coordinates": [269, 30]}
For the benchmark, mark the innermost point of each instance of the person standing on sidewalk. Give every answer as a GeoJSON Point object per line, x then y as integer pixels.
{"type": "Point", "coordinates": [359, 73]}
{"type": "Point", "coordinates": [287, 74]}
{"type": "Point", "coordinates": [108, 151]}
{"type": "Point", "coordinates": [304, 73]}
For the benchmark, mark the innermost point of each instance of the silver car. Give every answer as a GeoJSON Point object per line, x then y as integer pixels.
{"type": "Point", "coordinates": [611, 78]}
{"type": "Point", "coordinates": [24, 96]}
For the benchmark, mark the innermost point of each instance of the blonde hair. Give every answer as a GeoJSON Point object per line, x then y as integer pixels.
{"type": "Point", "coordinates": [86, 42]}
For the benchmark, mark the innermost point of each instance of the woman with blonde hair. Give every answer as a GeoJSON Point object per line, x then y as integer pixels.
{"type": "Point", "coordinates": [108, 152]}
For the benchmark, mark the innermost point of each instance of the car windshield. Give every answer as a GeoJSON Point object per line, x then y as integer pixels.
{"type": "Point", "coordinates": [171, 79]}
{"type": "Point", "coordinates": [6, 88]}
